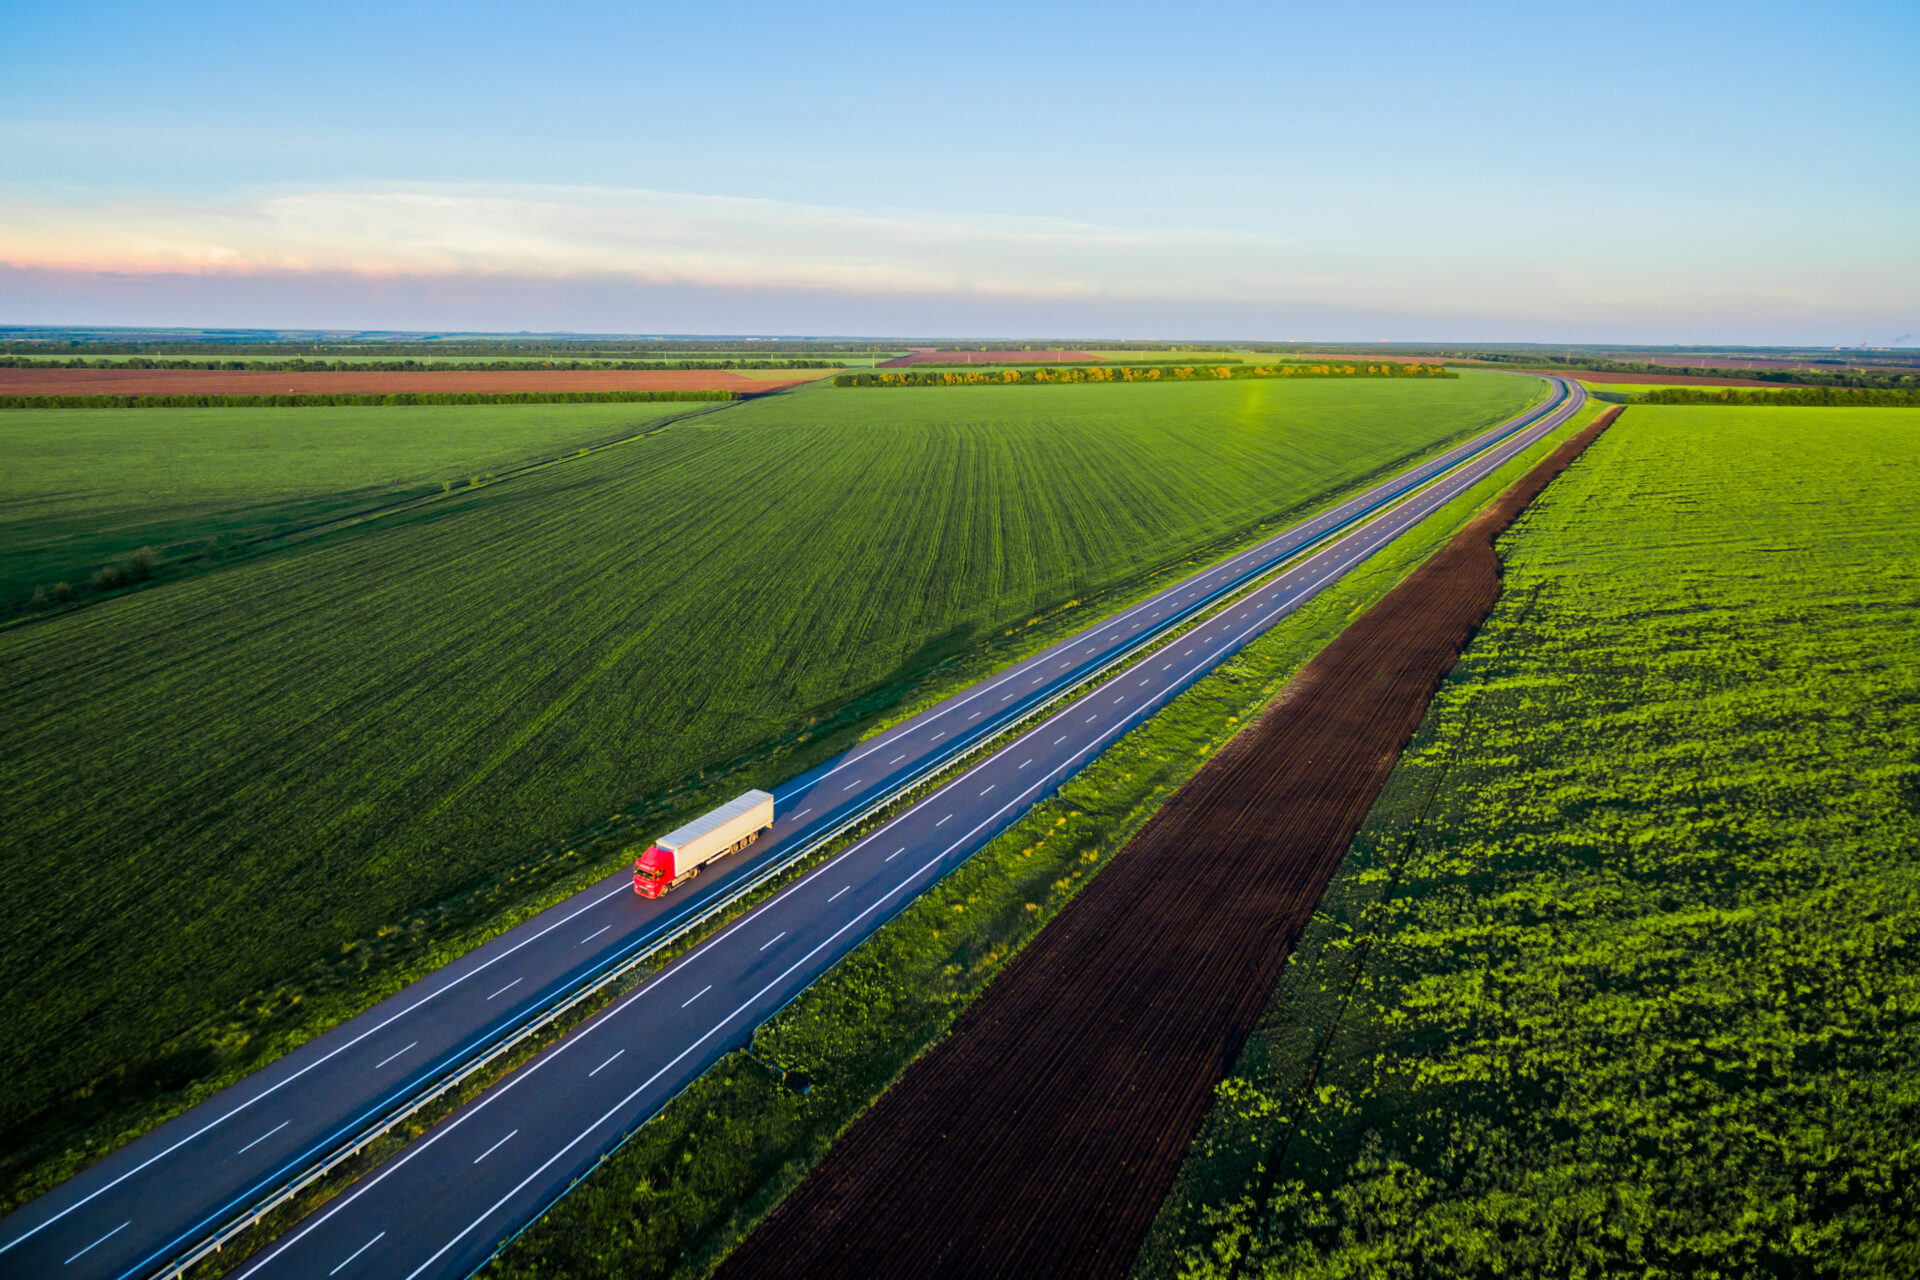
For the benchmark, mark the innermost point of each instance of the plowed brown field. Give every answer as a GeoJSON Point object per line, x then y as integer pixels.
{"type": "Point", "coordinates": [1760, 362]}
{"type": "Point", "coordinates": [1038, 1139]}
{"type": "Point", "coordinates": [1653, 379]}
{"type": "Point", "coordinates": [208, 382]}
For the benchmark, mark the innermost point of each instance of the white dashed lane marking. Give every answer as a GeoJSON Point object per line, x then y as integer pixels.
{"type": "Point", "coordinates": [390, 1057]}
{"type": "Point", "coordinates": [503, 1142]}
{"type": "Point", "coordinates": [102, 1240]}
{"type": "Point", "coordinates": [356, 1253]}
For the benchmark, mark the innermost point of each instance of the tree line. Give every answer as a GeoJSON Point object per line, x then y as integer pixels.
{"type": "Point", "coordinates": [1796, 377]}
{"type": "Point", "coordinates": [1132, 373]}
{"type": "Point", "coordinates": [1792, 397]}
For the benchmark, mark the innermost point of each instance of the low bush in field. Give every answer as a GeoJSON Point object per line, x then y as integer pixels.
{"type": "Point", "coordinates": [124, 572]}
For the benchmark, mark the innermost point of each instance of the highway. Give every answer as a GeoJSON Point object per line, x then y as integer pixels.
{"type": "Point", "coordinates": [444, 1205]}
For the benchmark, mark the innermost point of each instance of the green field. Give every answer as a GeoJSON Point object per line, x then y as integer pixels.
{"type": "Point", "coordinates": [249, 777]}
{"type": "Point", "coordinates": [1622, 976]}
{"type": "Point", "coordinates": [84, 486]}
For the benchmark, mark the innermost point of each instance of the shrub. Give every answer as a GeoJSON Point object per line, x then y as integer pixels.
{"type": "Point", "coordinates": [124, 572]}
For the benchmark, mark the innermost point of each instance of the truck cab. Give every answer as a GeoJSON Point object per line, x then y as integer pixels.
{"type": "Point", "coordinates": [653, 872]}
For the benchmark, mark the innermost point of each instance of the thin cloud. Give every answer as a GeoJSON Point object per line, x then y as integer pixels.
{"type": "Point", "coordinates": [506, 240]}
{"type": "Point", "coordinates": [650, 237]}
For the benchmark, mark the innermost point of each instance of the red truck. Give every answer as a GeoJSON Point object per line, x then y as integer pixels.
{"type": "Point", "coordinates": [677, 856]}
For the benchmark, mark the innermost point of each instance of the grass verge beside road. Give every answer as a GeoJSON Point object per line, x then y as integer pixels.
{"type": "Point", "coordinates": [695, 1179]}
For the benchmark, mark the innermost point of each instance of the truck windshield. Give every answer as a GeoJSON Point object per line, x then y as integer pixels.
{"type": "Point", "coordinates": [649, 873]}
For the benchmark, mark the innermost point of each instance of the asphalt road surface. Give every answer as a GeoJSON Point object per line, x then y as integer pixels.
{"type": "Point", "coordinates": [444, 1205]}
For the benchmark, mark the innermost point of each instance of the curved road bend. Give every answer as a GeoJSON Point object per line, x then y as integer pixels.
{"type": "Point", "coordinates": [139, 1208]}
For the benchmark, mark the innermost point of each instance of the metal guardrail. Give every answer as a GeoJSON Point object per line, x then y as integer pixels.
{"type": "Point", "coordinates": [597, 980]}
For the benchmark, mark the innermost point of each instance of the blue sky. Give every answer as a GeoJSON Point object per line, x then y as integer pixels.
{"type": "Point", "coordinates": [1686, 173]}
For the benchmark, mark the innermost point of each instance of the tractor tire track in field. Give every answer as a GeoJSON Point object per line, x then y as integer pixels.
{"type": "Point", "coordinates": [333, 524]}
{"type": "Point", "coordinates": [1039, 1138]}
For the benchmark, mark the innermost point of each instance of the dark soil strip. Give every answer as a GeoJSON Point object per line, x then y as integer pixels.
{"type": "Point", "coordinates": [1039, 1138]}
{"type": "Point", "coordinates": [1649, 378]}
{"type": "Point", "coordinates": [249, 382]}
